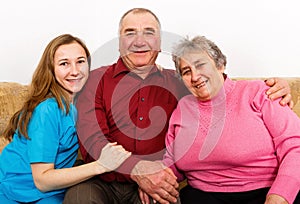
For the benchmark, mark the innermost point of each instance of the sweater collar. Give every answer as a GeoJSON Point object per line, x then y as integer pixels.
{"type": "Point", "coordinates": [121, 68]}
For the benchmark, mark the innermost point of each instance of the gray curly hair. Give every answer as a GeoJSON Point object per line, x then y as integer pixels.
{"type": "Point", "coordinates": [198, 44]}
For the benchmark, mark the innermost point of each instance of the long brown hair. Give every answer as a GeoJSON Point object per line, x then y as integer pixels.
{"type": "Point", "coordinates": [43, 86]}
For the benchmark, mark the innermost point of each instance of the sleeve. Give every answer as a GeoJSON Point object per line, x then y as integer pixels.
{"type": "Point", "coordinates": [284, 127]}
{"type": "Point", "coordinates": [43, 131]}
{"type": "Point", "coordinates": [169, 156]}
{"type": "Point", "coordinates": [91, 137]}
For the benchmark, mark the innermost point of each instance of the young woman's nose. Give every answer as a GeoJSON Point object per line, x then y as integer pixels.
{"type": "Point", "coordinates": [74, 69]}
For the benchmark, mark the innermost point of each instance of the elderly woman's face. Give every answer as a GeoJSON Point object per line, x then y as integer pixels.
{"type": "Point", "coordinates": [201, 75]}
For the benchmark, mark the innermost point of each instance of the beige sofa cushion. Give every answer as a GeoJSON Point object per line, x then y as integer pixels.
{"type": "Point", "coordinates": [295, 91]}
{"type": "Point", "coordinates": [12, 96]}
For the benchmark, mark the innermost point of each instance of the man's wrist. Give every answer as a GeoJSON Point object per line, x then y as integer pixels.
{"type": "Point", "coordinates": [136, 170]}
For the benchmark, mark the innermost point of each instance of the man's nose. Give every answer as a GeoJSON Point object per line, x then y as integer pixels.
{"type": "Point", "coordinates": [139, 39]}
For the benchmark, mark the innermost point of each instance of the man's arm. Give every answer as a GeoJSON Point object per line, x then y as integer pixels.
{"type": "Point", "coordinates": [280, 88]}
{"type": "Point", "coordinates": [93, 124]}
{"type": "Point", "coordinates": [91, 136]}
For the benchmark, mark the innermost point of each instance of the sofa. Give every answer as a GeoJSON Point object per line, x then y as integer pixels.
{"type": "Point", "coordinates": [12, 96]}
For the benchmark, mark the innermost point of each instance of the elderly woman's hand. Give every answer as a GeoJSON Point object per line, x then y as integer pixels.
{"type": "Point", "coordinates": [156, 181]}
{"type": "Point", "coordinates": [275, 199]}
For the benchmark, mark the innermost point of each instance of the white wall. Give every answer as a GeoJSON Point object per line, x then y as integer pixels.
{"type": "Point", "coordinates": [259, 37]}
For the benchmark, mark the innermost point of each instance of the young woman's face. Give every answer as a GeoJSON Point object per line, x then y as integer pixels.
{"type": "Point", "coordinates": [71, 67]}
{"type": "Point", "coordinates": [201, 75]}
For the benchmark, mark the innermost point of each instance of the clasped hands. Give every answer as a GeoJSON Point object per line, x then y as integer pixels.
{"type": "Point", "coordinates": [155, 180]}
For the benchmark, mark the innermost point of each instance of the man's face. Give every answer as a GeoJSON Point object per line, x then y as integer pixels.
{"type": "Point", "coordinates": [139, 41]}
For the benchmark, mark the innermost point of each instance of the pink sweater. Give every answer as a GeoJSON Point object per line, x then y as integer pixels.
{"type": "Point", "coordinates": [238, 141]}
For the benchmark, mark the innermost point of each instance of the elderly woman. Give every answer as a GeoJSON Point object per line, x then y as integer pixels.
{"type": "Point", "coordinates": [228, 139]}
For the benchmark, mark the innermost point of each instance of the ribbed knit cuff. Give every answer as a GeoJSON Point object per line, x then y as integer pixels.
{"type": "Point", "coordinates": [286, 187]}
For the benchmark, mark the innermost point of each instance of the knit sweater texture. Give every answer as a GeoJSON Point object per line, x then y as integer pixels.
{"type": "Point", "coordinates": [238, 141]}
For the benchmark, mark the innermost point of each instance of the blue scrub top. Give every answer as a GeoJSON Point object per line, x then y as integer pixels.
{"type": "Point", "coordinates": [53, 139]}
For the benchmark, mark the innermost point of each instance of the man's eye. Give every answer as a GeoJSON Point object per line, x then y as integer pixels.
{"type": "Point", "coordinates": [130, 33]}
{"type": "Point", "coordinates": [149, 32]}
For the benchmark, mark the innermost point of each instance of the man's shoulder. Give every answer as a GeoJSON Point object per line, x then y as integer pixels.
{"type": "Point", "coordinates": [168, 72]}
{"type": "Point", "coordinates": [98, 73]}
{"type": "Point", "coordinates": [100, 70]}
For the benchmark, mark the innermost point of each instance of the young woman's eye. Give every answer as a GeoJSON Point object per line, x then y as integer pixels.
{"type": "Point", "coordinates": [81, 61]}
{"type": "Point", "coordinates": [63, 64]}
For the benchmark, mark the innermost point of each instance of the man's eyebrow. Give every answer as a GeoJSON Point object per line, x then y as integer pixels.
{"type": "Point", "coordinates": [129, 30]}
{"type": "Point", "coordinates": [133, 29]}
{"type": "Point", "coordinates": [150, 29]}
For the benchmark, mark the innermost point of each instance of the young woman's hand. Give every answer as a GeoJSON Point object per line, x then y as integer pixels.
{"type": "Point", "coordinates": [112, 156]}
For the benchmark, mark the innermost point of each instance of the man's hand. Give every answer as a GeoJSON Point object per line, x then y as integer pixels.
{"type": "Point", "coordinates": [156, 180]}
{"type": "Point", "coordinates": [275, 199]}
{"type": "Point", "coordinates": [280, 88]}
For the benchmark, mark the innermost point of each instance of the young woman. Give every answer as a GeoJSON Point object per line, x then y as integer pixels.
{"type": "Point", "coordinates": [35, 167]}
